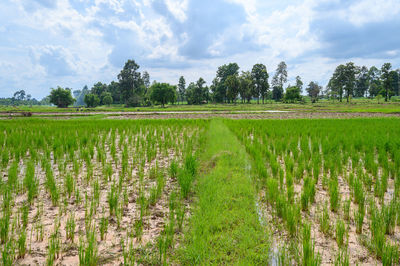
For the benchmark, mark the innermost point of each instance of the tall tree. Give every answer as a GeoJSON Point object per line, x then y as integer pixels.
{"type": "Point", "coordinates": [197, 93]}
{"type": "Point", "coordinates": [299, 84]}
{"type": "Point", "coordinates": [277, 93]}
{"type": "Point", "coordinates": [280, 77]}
{"type": "Point", "coordinates": [362, 82]}
{"type": "Point", "coordinates": [19, 95]}
{"type": "Point", "coordinates": [131, 84]}
{"type": "Point", "coordinates": [395, 80]}
{"type": "Point", "coordinates": [202, 90]}
{"type": "Point", "coordinates": [181, 88]}
{"type": "Point", "coordinates": [313, 91]}
{"type": "Point", "coordinates": [246, 86]}
{"type": "Point", "coordinates": [115, 91]}
{"type": "Point", "coordinates": [146, 79]}
{"type": "Point", "coordinates": [350, 79]}
{"type": "Point", "coordinates": [98, 89]}
{"type": "Point", "coordinates": [223, 72]}
{"type": "Point", "coordinates": [374, 75]}
{"type": "Point", "coordinates": [385, 77]}
{"type": "Point", "coordinates": [337, 81]}
{"type": "Point", "coordinates": [260, 81]}
{"type": "Point", "coordinates": [232, 87]}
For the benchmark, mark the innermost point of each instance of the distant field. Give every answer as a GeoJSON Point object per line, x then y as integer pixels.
{"type": "Point", "coordinates": [357, 105]}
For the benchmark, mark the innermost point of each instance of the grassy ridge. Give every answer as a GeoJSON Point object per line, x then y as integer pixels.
{"type": "Point", "coordinates": [225, 227]}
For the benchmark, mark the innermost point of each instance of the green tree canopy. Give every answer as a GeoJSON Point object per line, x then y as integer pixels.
{"type": "Point", "coordinates": [232, 87]}
{"type": "Point", "coordinates": [219, 86]}
{"type": "Point", "coordinates": [260, 81]}
{"type": "Point", "coordinates": [106, 98]}
{"type": "Point", "coordinates": [292, 94]}
{"type": "Point", "coordinates": [197, 93]}
{"type": "Point", "coordinates": [280, 77]}
{"type": "Point", "coordinates": [313, 90]}
{"type": "Point", "coordinates": [181, 88]}
{"type": "Point", "coordinates": [61, 97]}
{"type": "Point", "coordinates": [162, 93]}
{"type": "Point", "coordinates": [92, 100]}
{"type": "Point", "coordinates": [299, 84]}
{"type": "Point", "coordinates": [131, 84]}
{"type": "Point", "coordinates": [277, 93]}
{"type": "Point", "coordinates": [246, 86]}
{"type": "Point", "coordinates": [99, 88]}
{"type": "Point", "coordinates": [386, 80]}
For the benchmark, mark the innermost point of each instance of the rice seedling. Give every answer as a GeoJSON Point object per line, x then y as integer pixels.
{"type": "Point", "coordinates": [342, 258]}
{"type": "Point", "coordinates": [346, 210]}
{"type": "Point", "coordinates": [103, 227]}
{"type": "Point", "coordinates": [8, 254]}
{"type": "Point", "coordinates": [54, 245]}
{"type": "Point", "coordinates": [88, 251]}
{"type": "Point", "coordinates": [69, 184]}
{"type": "Point", "coordinates": [359, 218]}
{"type": "Point", "coordinates": [21, 243]}
{"type": "Point", "coordinates": [70, 228]}
{"type": "Point", "coordinates": [309, 256]}
{"type": "Point", "coordinates": [324, 220]}
{"type": "Point", "coordinates": [341, 232]}
{"type": "Point", "coordinates": [128, 252]}
{"type": "Point", "coordinates": [390, 255]}
{"type": "Point", "coordinates": [112, 199]}
{"type": "Point", "coordinates": [24, 215]}
{"type": "Point", "coordinates": [186, 175]}
{"type": "Point", "coordinates": [292, 219]}
{"type": "Point", "coordinates": [173, 169]}
{"type": "Point", "coordinates": [30, 182]}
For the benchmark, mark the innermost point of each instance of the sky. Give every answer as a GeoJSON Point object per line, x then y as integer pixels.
{"type": "Point", "coordinates": [72, 43]}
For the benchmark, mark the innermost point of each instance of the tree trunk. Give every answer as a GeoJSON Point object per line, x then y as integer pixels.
{"type": "Point", "coordinates": [387, 95]}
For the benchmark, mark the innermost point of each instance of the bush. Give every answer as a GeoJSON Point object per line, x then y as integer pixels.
{"type": "Point", "coordinates": [92, 100]}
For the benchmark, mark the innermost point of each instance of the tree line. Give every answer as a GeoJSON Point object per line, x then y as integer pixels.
{"type": "Point", "coordinates": [20, 97]}
{"type": "Point", "coordinates": [134, 89]}
{"type": "Point", "coordinates": [350, 80]}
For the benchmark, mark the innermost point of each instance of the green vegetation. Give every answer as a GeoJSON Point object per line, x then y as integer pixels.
{"type": "Point", "coordinates": [200, 192]}
{"type": "Point", "coordinates": [65, 178]}
{"type": "Point", "coordinates": [225, 226]}
{"type": "Point", "coordinates": [349, 160]}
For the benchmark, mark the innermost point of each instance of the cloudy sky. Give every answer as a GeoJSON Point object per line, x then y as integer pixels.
{"type": "Point", "coordinates": [70, 43]}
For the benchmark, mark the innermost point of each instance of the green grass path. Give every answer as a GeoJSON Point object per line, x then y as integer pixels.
{"type": "Point", "coordinates": [224, 227]}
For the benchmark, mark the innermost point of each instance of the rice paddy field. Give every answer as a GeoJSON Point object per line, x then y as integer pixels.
{"type": "Point", "coordinates": [200, 191]}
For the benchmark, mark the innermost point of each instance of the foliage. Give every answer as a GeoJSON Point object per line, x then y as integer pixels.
{"type": "Point", "coordinates": [162, 93]}
{"type": "Point", "coordinates": [260, 81]}
{"type": "Point", "coordinates": [92, 100]}
{"type": "Point", "coordinates": [313, 90]}
{"type": "Point", "coordinates": [292, 94]}
{"type": "Point", "coordinates": [131, 84]}
{"type": "Point", "coordinates": [196, 93]}
{"type": "Point", "coordinates": [61, 97]}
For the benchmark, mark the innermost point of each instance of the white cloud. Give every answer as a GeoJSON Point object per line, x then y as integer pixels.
{"type": "Point", "coordinates": [372, 11]}
{"type": "Point", "coordinates": [178, 8]}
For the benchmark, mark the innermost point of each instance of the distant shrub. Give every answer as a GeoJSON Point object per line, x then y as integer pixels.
{"type": "Point", "coordinates": [395, 99]}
